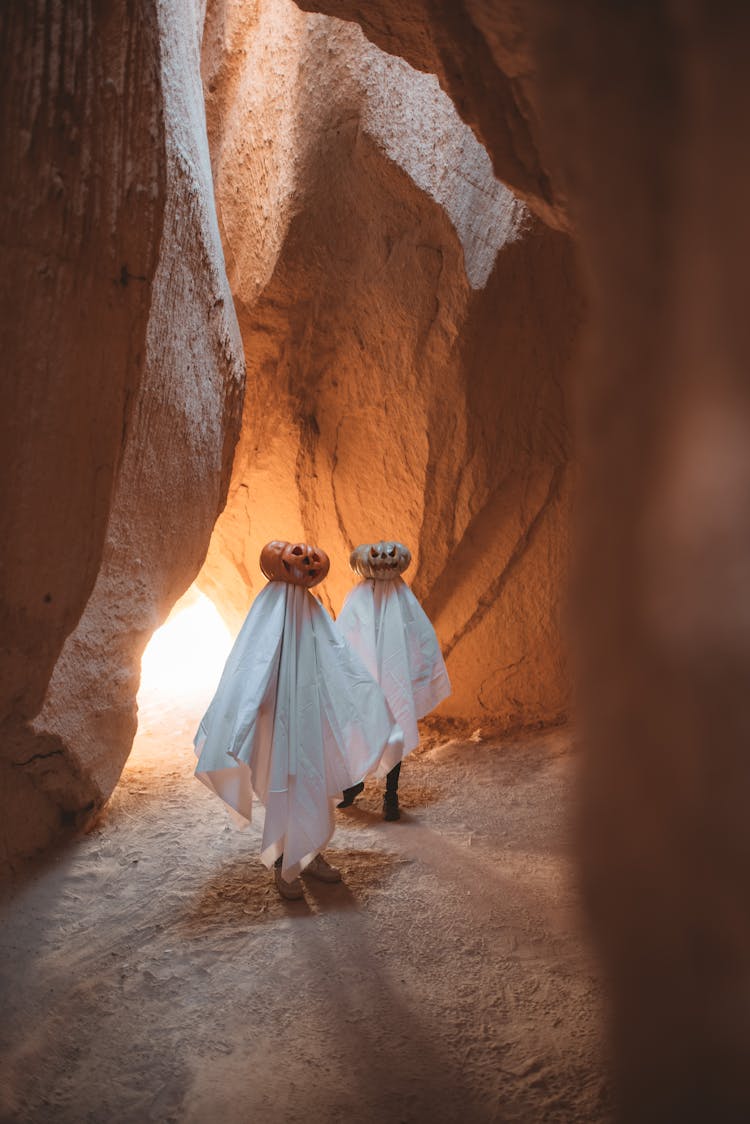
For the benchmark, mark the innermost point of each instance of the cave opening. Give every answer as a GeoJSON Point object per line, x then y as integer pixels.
{"type": "Point", "coordinates": [182, 661]}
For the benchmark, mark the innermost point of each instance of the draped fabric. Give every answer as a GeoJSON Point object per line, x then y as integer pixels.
{"type": "Point", "coordinates": [383, 622]}
{"type": "Point", "coordinates": [295, 719]}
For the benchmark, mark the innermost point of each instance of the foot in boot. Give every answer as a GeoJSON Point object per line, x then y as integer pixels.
{"type": "Point", "coordinates": [350, 795]}
{"type": "Point", "coordinates": [292, 891]}
{"type": "Point", "coordinates": [391, 809]}
{"type": "Point", "coordinates": [319, 868]}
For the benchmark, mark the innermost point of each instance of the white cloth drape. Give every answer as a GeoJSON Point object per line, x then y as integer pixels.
{"type": "Point", "coordinates": [383, 622]}
{"type": "Point", "coordinates": [295, 719]}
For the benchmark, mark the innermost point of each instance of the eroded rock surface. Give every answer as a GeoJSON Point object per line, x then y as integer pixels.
{"type": "Point", "coordinates": [407, 325]}
{"type": "Point", "coordinates": [633, 115]}
{"type": "Point", "coordinates": [171, 477]}
{"type": "Point", "coordinates": [81, 209]}
{"type": "Point", "coordinates": [483, 55]}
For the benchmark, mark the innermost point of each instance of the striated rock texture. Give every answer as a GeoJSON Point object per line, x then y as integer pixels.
{"type": "Point", "coordinates": [406, 325]}
{"type": "Point", "coordinates": [174, 460]}
{"type": "Point", "coordinates": [82, 199]}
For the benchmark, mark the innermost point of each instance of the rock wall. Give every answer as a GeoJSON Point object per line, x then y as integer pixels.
{"type": "Point", "coordinates": [629, 118]}
{"type": "Point", "coordinates": [481, 54]}
{"type": "Point", "coordinates": [175, 453]}
{"type": "Point", "coordinates": [406, 326]}
{"type": "Point", "coordinates": [82, 198]}
{"type": "Point", "coordinates": [643, 107]}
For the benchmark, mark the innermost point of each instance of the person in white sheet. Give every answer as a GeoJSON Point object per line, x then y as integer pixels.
{"type": "Point", "coordinates": [295, 718]}
{"type": "Point", "coordinates": [384, 623]}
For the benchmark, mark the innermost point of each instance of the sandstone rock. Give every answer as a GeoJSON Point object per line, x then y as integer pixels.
{"type": "Point", "coordinates": [355, 289]}
{"type": "Point", "coordinates": [172, 475]}
{"type": "Point", "coordinates": [658, 184]}
{"type": "Point", "coordinates": [82, 199]}
{"type": "Point", "coordinates": [483, 59]}
{"type": "Point", "coordinates": [406, 342]}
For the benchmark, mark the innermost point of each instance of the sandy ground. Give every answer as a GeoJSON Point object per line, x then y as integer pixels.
{"type": "Point", "coordinates": [151, 972]}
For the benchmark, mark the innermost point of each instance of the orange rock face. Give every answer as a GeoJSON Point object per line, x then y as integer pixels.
{"type": "Point", "coordinates": [407, 326]}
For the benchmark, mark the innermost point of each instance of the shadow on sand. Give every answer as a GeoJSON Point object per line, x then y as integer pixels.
{"type": "Point", "coordinates": [243, 893]}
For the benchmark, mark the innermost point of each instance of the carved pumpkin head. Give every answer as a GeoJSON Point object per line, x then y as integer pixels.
{"type": "Point", "coordinates": [294, 562]}
{"type": "Point", "coordinates": [380, 561]}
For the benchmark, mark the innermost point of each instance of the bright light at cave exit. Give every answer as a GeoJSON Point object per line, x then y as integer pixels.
{"type": "Point", "coordinates": [185, 657]}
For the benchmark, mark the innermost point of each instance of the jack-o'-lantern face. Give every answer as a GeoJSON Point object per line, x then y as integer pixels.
{"type": "Point", "coordinates": [380, 561]}
{"type": "Point", "coordinates": [294, 562]}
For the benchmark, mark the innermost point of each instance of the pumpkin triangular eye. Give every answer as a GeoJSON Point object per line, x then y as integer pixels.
{"type": "Point", "coordinates": [374, 551]}
{"type": "Point", "coordinates": [297, 550]}
{"type": "Point", "coordinates": [392, 552]}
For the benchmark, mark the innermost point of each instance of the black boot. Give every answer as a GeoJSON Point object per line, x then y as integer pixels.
{"type": "Point", "coordinates": [350, 795]}
{"type": "Point", "coordinates": [391, 810]}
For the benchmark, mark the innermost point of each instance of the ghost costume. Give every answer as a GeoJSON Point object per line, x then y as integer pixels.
{"type": "Point", "coordinates": [383, 622]}
{"type": "Point", "coordinates": [296, 717]}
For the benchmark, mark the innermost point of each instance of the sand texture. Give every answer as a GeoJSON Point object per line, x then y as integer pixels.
{"type": "Point", "coordinates": [150, 972]}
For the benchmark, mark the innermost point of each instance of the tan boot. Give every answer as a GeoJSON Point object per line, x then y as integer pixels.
{"type": "Point", "coordinates": [319, 868]}
{"type": "Point", "coordinates": [292, 891]}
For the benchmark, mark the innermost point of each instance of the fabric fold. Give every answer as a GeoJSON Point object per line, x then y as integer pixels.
{"type": "Point", "coordinates": [383, 622]}
{"type": "Point", "coordinates": [295, 719]}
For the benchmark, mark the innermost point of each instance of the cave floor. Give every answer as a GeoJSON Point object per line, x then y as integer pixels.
{"type": "Point", "coordinates": [151, 972]}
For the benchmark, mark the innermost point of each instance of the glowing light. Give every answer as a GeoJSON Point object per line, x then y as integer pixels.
{"type": "Point", "coordinates": [185, 657]}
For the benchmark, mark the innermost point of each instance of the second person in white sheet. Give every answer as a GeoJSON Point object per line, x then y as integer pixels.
{"type": "Point", "coordinates": [382, 620]}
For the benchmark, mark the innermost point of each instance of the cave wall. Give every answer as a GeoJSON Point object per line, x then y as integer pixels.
{"type": "Point", "coordinates": [482, 55]}
{"type": "Point", "coordinates": [407, 327]}
{"type": "Point", "coordinates": [83, 193]}
{"type": "Point", "coordinates": [174, 448]}
{"type": "Point", "coordinates": [624, 121]}
{"type": "Point", "coordinates": [644, 107]}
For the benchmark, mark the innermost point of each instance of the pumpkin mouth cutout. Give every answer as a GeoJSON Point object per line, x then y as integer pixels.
{"type": "Point", "coordinates": [384, 560]}
{"type": "Point", "coordinates": [313, 571]}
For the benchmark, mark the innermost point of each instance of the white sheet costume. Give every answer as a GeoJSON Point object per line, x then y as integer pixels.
{"type": "Point", "coordinates": [383, 622]}
{"type": "Point", "coordinates": [295, 719]}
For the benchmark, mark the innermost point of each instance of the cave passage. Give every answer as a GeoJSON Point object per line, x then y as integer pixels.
{"type": "Point", "coordinates": [183, 660]}
{"type": "Point", "coordinates": [375, 348]}
{"type": "Point", "coordinates": [407, 324]}
{"type": "Point", "coordinates": [269, 271]}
